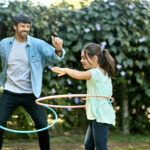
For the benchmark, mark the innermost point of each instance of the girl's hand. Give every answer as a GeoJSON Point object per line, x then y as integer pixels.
{"type": "Point", "coordinates": [60, 71]}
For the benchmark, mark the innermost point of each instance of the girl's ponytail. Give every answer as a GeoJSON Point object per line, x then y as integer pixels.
{"type": "Point", "coordinates": [107, 62]}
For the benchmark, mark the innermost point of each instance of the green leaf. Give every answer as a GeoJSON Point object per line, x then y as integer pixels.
{"type": "Point", "coordinates": [139, 79]}
{"type": "Point", "coordinates": [114, 49]}
{"type": "Point", "coordinates": [111, 40]}
{"type": "Point", "coordinates": [72, 58]}
{"type": "Point", "coordinates": [147, 92]}
{"type": "Point", "coordinates": [141, 64]}
{"type": "Point", "coordinates": [88, 36]}
{"type": "Point", "coordinates": [143, 48]}
{"type": "Point", "coordinates": [130, 62]}
{"type": "Point", "coordinates": [130, 21]}
{"type": "Point", "coordinates": [120, 57]}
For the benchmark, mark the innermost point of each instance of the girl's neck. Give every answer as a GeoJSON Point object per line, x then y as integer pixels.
{"type": "Point", "coordinates": [101, 69]}
{"type": "Point", "coordinates": [97, 66]}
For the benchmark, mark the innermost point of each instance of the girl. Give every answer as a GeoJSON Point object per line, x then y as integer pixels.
{"type": "Point", "coordinates": [100, 68]}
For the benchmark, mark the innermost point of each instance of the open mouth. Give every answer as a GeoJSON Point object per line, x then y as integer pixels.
{"type": "Point", "coordinates": [24, 32]}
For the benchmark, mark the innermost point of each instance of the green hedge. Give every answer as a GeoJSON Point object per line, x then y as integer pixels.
{"type": "Point", "coordinates": [121, 26]}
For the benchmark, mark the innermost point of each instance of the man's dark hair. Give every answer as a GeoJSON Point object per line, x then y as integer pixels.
{"type": "Point", "coordinates": [21, 17]}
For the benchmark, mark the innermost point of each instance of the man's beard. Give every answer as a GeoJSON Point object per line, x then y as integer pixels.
{"type": "Point", "coordinates": [22, 35]}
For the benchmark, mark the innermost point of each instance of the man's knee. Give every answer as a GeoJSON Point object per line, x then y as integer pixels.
{"type": "Point", "coordinates": [3, 122]}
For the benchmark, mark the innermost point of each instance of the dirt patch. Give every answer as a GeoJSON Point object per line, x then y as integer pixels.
{"type": "Point", "coordinates": [35, 146]}
{"type": "Point", "coordinates": [73, 146]}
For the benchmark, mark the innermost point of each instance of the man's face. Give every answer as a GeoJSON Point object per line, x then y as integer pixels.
{"type": "Point", "coordinates": [22, 30]}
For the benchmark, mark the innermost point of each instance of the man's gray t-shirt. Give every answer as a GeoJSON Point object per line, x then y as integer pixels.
{"type": "Point", "coordinates": [18, 71]}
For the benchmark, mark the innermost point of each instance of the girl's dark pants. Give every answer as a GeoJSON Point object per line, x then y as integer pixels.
{"type": "Point", "coordinates": [96, 136]}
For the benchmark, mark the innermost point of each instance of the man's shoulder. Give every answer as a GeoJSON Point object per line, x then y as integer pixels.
{"type": "Point", "coordinates": [34, 39]}
{"type": "Point", "coordinates": [6, 39]}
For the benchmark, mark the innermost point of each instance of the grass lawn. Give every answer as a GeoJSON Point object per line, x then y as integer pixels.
{"type": "Point", "coordinates": [117, 141]}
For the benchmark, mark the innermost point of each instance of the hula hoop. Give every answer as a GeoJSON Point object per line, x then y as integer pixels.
{"type": "Point", "coordinates": [70, 95]}
{"type": "Point", "coordinates": [33, 131]}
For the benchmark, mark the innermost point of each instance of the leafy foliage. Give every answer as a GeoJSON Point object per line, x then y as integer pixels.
{"type": "Point", "coordinates": [121, 26]}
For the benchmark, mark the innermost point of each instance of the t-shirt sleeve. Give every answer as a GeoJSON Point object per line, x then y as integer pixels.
{"type": "Point", "coordinates": [95, 74]}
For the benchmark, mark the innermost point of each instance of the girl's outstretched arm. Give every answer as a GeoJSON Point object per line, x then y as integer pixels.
{"type": "Point", "coordinates": [80, 75]}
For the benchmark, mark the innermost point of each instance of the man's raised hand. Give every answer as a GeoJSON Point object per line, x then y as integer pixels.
{"type": "Point", "coordinates": [57, 42]}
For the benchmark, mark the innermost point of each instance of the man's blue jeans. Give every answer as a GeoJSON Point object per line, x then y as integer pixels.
{"type": "Point", "coordinates": [96, 136]}
{"type": "Point", "coordinates": [10, 101]}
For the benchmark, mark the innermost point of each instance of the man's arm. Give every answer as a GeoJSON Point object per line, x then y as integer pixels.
{"type": "Point", "coordinates": [51, 53]}
{"type": "Point", "coordinates": [0, 46]}
{"type": "Point", "coordinates": [57, 43]}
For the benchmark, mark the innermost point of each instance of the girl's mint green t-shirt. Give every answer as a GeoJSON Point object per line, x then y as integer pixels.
{"type": "Point", "coordinates": [97, 108]}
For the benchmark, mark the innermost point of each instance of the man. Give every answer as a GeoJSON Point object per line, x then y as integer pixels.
{"type": "Point", "coordinates": [23, 58]}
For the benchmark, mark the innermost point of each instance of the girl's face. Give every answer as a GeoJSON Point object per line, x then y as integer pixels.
{"type": "Point", "coordinates": [88, 62]}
